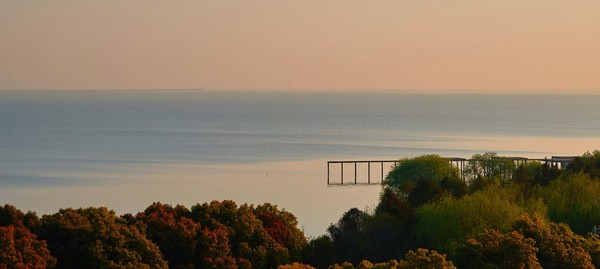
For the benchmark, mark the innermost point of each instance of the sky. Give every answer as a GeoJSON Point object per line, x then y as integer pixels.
{"type": "Point", "coordinates": [479, 45]}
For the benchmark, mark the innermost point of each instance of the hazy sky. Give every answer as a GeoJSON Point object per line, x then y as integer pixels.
{"type": "Point", "coordinates": [307, 44]}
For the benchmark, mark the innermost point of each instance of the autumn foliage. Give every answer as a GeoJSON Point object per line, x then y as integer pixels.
{"type": "Point", "coordinates": [209, 235]}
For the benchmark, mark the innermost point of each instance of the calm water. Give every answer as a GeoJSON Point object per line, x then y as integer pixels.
{"type": "Point", "coordinates": [126, 149]}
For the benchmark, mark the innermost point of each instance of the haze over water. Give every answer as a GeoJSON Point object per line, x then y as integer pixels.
{"type": "Point", "coordinates": [127, 149]}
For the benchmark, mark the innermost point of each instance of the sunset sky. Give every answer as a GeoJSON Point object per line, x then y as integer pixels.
{"type": "Point", "coordinates": [307, 44]}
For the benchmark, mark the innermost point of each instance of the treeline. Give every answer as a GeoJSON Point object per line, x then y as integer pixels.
{"type": "Point", "coordinates": [209, 235]}
{"type": "Point", "coordinates": [498, 215]}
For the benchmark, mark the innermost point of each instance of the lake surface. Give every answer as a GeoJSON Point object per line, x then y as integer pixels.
{"type": "Point", "coordinates": [127, 149]}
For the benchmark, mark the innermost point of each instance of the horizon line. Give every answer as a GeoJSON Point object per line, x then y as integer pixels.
{"type": "Point", "coordinates": [432, 91]}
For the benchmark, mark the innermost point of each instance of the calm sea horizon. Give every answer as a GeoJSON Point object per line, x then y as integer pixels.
{"type": "Point", "coordinates": [127, 149]}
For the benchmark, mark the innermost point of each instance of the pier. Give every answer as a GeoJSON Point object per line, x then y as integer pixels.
{"type": "Point", "coordinates": [388, 164]}
{"type": "Point", "coordinates": [373, 172]}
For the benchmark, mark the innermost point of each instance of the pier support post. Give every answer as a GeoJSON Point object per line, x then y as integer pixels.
{"type": "Point", "coordinates": [369, 171]}
{"type": "Point", "coordinates": [381, 172]}
{"type": "Point", "coordinates": [342, 174]}
{"type": "Point", "coordinates": [354, 173]}
{"type": "Point", "coordinates": [328, 163]}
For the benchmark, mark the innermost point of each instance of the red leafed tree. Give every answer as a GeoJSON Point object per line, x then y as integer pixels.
{"type": "Point", "coordinates": [247, 238]}
{"type": "Point", "coordinates": [19, 247]}
{"type": "Point", "coordinates": [282, 226]}
{"type": "Point", "coordinates": [274, 226]}
{"type": "Point", "coordinates": [174, 233]}
{"type": "Point", "coordinates": [215, 252]}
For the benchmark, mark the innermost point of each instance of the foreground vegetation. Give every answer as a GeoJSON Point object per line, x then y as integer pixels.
{"type": "Point", "coordinates": [498, 215]}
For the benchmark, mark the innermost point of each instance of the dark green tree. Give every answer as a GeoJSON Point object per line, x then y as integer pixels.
{"type": "Point", "coordinates": [454, 186]}
{"type": "Point", "coordinates": [425, 190]}
{"type": "Point", "coordinates": [348, 235]}
{"type": "Point", "coordinates": [588, 163]}
{"type": "Point", "coordinates": [385, 237]}
{"type": "Point", "coordinates": [395, 205]}
{"type": "Point", "coordinates": [546, 174]}
{"type": "Point", "coordinates": [321, 252]}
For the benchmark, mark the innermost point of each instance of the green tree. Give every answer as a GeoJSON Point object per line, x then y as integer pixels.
{"type": "Point", "coordinates": [588, 163]}
{"type": "Point", "coordinates": [446, 224]}
{"type": "Point", "coordinates": [489, 166]}
{"type": "Point", "coordinates": [536, 173]}
{"type": "Point", "coordinates": [574, 200]}
{"type": "Point", "coordinates": [96, 238]}
{"type": "Point", "coordinates": [404, 177]}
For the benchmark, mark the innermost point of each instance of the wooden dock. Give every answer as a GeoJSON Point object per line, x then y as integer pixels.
{"type": "Point", "coordinates": [382, 167]}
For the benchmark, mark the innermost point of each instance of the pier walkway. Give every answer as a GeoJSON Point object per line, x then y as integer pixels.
{"type": "Point", "coordinates": [373, 172]}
